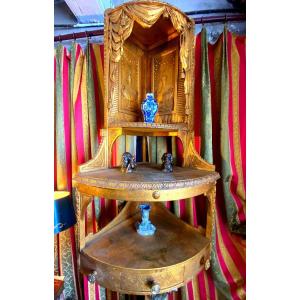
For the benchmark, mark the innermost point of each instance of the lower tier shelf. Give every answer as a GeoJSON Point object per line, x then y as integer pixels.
{"type": "Point", "coordinates": [127, 262]}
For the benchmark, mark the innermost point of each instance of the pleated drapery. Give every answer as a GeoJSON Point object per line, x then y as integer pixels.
{"type": "Point", "coordinates": [220, 120]}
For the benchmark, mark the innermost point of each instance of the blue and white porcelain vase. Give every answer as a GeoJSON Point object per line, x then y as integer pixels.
{"type": "Point", "coordinates": [149, 108]}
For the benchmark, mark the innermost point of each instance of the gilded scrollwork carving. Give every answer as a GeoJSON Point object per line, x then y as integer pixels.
{"type": "Point", "coordinates": [101, 158]}
{"type": "Point", "coordinates": [119, 25]}
{"type": "Point", "coordinates": [130, 75]}
{"type": "Point", "coordinates": [193, 159]}
{"type": "Point", "coordinates": [164, 73]}
{"type": "Point", "coordinates": [129, 94]}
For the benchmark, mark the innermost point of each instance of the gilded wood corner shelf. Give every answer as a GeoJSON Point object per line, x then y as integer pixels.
{"type": "Point", "coordinates": [129, 263]}
{"type": "Point", "coordinates": [146, 183]}
{"type": "Point", "coordinates": [148, 47]}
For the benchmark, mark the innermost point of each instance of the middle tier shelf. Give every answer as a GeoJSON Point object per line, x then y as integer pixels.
{"type": "Point", "coordinates": [147, 129]}
{"type": "Point", "coordinates": [146, 183]}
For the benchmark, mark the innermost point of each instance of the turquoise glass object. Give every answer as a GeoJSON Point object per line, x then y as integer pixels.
{"type": "Point", "coordinates": [145, 228]}
{"type": "Point", "coordinates": [149, 108]}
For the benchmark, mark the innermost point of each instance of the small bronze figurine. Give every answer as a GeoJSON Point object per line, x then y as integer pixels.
{"type": "Point", "coordinates": [167, 162]}
{"type": "Point", "coordinates": [128, 163]}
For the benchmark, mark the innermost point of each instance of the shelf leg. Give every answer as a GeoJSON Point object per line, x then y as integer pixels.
{"type": "Point", "coordinates": [211, 196]}
{"type": "Point", "coordinates": [82, 201]}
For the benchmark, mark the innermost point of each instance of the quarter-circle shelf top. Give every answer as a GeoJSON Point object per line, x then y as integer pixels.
{"type": "Point", "coordinates": [146, 183]}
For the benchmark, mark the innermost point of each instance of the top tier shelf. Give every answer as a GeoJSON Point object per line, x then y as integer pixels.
{"type": "Point", "coordinates": [148, 129]}
{"type": "Point", "coordinates": [146, 183]}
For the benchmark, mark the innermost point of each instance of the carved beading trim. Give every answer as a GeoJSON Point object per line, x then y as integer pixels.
{"type": "Point", "coordinates": [149, 125]}
{"type": "Point", "coordinates": [77, 211]}
{"type": "Point", "coordinates": [116, 184]}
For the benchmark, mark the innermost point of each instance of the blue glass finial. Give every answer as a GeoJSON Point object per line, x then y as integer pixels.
{"type": "Point", "coordinates": [145, 228]}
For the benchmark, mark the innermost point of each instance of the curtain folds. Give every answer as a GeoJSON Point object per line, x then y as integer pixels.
{"type": "Point", "coordinates": [219, 136]}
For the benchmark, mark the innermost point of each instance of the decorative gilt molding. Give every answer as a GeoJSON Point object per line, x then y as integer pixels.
{"type": "Point", "coordinates": [174, 126]}
{"type": "Point", "coordinates": [77, 226]}
{"type": "Point", "coordinates": [107, 182]}
{"type": "Point", "coordinates": [118, 27]}
{"type": "Point", "coordinates": [193, 159]}
{"type": "Point", "coordinates": [101, 158]}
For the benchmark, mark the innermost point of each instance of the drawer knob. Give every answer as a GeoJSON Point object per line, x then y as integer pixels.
{"type": "Point", "coordinates": [207, 264]}
{"type": "Point", "coordinates": [92, 277]}
{"type": "Point", "coordinates": [155, 288]}
{"type": "Point", "coordinates": [156, 194]}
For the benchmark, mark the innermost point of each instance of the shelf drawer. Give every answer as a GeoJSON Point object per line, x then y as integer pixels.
{"type": "Point", "coordinates": [139, 282]}
{"type": "Point", "coordinates": [142, 281]}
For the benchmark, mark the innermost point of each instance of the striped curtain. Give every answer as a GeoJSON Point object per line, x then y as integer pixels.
{"type": "Point", "coordinates": [219, 137]}
{"type": "Point", "coordinates": [222, 96]}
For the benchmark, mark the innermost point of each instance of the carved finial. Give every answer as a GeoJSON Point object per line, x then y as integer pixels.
{"type": "Point", "coordinates": [92, 277]}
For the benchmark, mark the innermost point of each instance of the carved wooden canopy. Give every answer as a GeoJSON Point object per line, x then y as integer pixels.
{"type": "Point", "coordinates": [149, 47]}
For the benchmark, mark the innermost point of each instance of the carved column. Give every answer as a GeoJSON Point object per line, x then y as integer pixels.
{"type": "Point", "coordinates": [210, 223]}
{"type": "Point", "coordinates": [82, 201]}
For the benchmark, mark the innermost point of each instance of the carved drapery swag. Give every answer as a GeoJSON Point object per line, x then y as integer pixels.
{"type": "Point", "coordinates": [120, 24]}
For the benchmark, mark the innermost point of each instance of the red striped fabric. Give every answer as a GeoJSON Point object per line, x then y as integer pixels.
{"type": "Point", "coordinates": [234, 112]}
{"type": "Point", "coordinates": [63, 166]}
{"type": "Point", "coordinates": [240, 42]}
